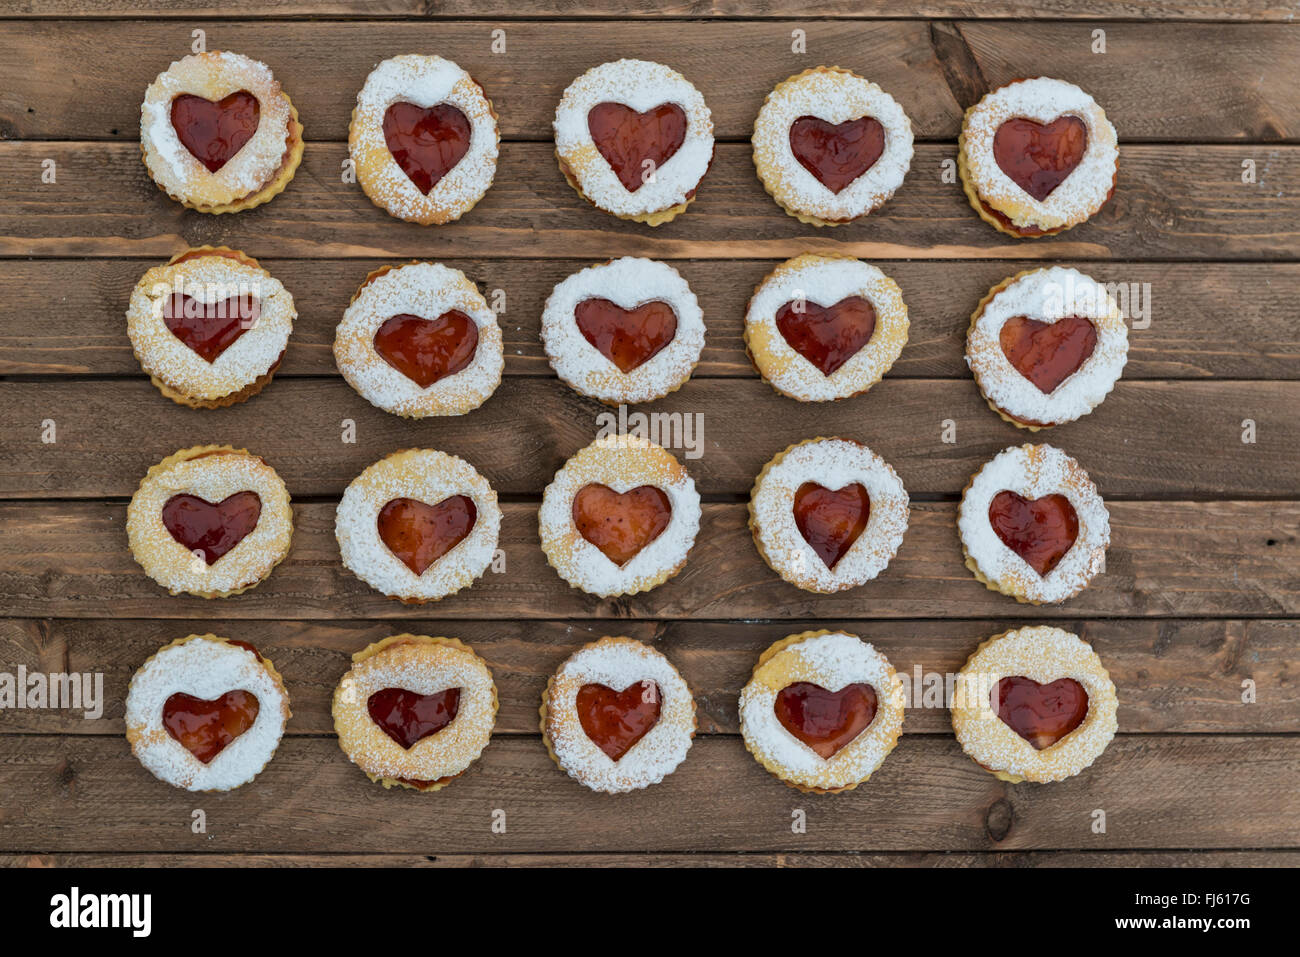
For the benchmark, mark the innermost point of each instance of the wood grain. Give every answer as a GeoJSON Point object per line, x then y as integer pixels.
{"type": "Point", "coordinates": [1148, 439]}
{"type": "Point", "coordinates": [1185, 791]}
{"type": "Point", "coordinates": [1208, 320]}
{"type": "Point", "coordinates": [1173, 202]}
{"type": "Point", "coordinates": [1176, 675]}
{"type": "Point", "coordinates": [1167, 560]}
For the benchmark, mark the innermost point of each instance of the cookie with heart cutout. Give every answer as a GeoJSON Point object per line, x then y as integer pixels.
{"type": "Point", "coordinates": [218, 134]}
{"type": "Point", "coordinates": [206, 713]}
{"type": "Point", "coordinates": [423, 139]}
{"type": "Point", "coordinates": [1033, 525]}
{"type": "Point", "coordinates": [1037, 157]}
{"type": "Point", "coordinates": [1046, 346]}
{"type": "Point", "coordinates": [617, 716]}
{"type": "Point", "coordinates": [1034, 704]}
{"type": "Point", "coordinates": [634, 138]}
{"type": "Point", "coordinates": [420, 340]}
{"type": "Point", "coordinates": [825, 327]}
{"type": "Point", "coordinates": [619, 517]}
{"type": "Point", "coordinates": [828, 514]}
{"type": "Point", "coordinates": [211, 521]}
{"type": "Point", "coordinates": [624, 331]}
{"type": "Point", "coordinates": [415, 711]}
{"type": "Point", "coordinates": [822, 711]}
{"type": "Point", "coordinates": [210, 327]}
{"type": "Point", "coordinates": [831, 147]}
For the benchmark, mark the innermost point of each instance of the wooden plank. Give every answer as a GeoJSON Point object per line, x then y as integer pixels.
{"type": "Point", "coordinates": [1167, 560]}
{"type": "Point", "coordinates": [89, 794]}
{"type": "Point", "coordinates": [1173, 203]}
{"type": "Point", "coordinates": [1168, 82]}
{"type": "Point", "coordinates": [1148, 439]}
{"type": "Point", "coordinates": [1185, 307]}
{"type": "Point", "coordinates": [1173, 676]}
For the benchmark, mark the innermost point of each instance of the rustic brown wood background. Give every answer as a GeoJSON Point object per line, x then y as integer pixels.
{"type": "Point", "coordinates": [1203, 585]}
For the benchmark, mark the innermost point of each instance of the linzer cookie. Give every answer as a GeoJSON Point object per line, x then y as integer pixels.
{"type": "Point", "coordinates": [1033, 526]}
{"type": "Point", "coordinates": [424, 139]}
{"type": "Point", "coordinates": [628, 330]}
{"type": "Point", "coordinates": [831, 147]}
{"type": "Point", "coordinates": [1046, 347]}
{"type": "Point", "coordinates": [1034, 704]}
{"type": "Point", "coordinates": [206, 713]}
{"type": "Point", "coordinates": [218, 134]}
{"type": "Point", "coordinates": [822, 711]}
{"type": "Point", "coordinates": [634, 138]}
{"type": "Point", "coordinates": [419, 340]}
{"type": "Point", "coordinates": [211, 521]}
{"type": "Point", "coordinates": [210, 326]}
{"type": "Point", "coordinates": [1037, 157]}
{"type": "Point", "coordinates": [617, 716]}
{"type": "Point", "coordinates": [415, 711]}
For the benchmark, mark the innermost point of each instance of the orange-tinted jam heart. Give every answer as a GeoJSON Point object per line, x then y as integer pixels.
{"type": "Point", "coordinates": [204, 728]}
{"type": "Point", "coordinates": [837, 154]}
{"type": "Point", "coordinates": [420, 534]}
{"type": "Point", "coordinates": [1039, 156]}
{"type": "Point", "coordinates": [1041, 714]}
{"type": "Point", "coordinates": [426, 142]}
{"type": "Point", "coordinates": [1040, 531]}
{"type": "Point", "coordinates": [407, 717]}
{"type": "Point", "coordinates": [626, 337]}
{"type": "Point", "coordinates": [831, 521]}
{"type": "Point", "coordinates": [1048, 353]}
{"type": "Point", "coordinates": [211, 529]}
{"type": "Point", "coordinates": [620, 524]}
{"type": "Point", "coordinates": [426, 350]}
{"type": "Point", "coordinates": [825, 720]}
{"type": "Point", "coordinates": [827, 336]}
{"type": "Point", "coordinates": [616, 720]}
{"type": "Point", "coordinates": [215, 132]}
{"type": "Point", "coordinates": [627, 139]}
{"type": "Point", "coordinates": [210, 328]}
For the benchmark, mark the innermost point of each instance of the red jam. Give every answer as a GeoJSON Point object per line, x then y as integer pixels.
{"type": "Point", "coordinates": [215, 132]}
{"type": "Point", "coordinates": [1048, 353]}
{"type": "Point", "coordinates": [426, 142]}
{"type": "Point", "coordinates": [825, 720]}
{"type": "Point", "coordinates": [620, 524]}
{"type": "Point", "coordinates": [420, 534]}
{"type": "Point", "coordinates": [616, 720]}
{"type": "Point", "coordinates": [211, 529]}
{"type": "Point", "coordinates": [626, 337]}
{"type": "Point", "coordinates": [837, 154]}
{"type": "Point", "coordinates": [204, 728]}
{"type": "Point", "coordinates": [426, 350]}
{"type": "Point", "coordinates": [627, 139]}
{"type": "Point", "coordinates": [827, 336]}
{"type": "Point", "coordinates": [1040, 531]}
{"type": "Point", "coordinates": [831, 521]}
{"type": "Point", "coordinates": [210, 328]}
{"type": "Point", "coordinates": [408, 717]}
{"type": "Point", "coordinates": [1041, 714]}
{"type": "Point", "coordinates": [1039, 156]}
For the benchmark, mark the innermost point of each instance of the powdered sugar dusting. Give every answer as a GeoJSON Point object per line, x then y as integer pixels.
{"type": "Point", "coordinates": [832, 661]}
{"type": "Point", "coordinates": [1042, 654]}
{"type": "Point", "coordinates": [619, 663]}
{"type": "Point", "coordinates": [205, 667]}
{"type": "Point", "coordinates": [628, 283]}
{"type": "Point", "coordinates": [834, 464]}
{"type": "Point", "coordinates": [640, 85]}
{"type": "Point", "coordinates": [835, 96]}
{"type": "Point", "coordinates": [1033, 471]}
{"type": "Point", "coordinates": [427, 290]}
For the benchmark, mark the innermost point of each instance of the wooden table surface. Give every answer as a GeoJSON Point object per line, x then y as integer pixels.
{"type": "Point", "coordinates": [1200, 600]}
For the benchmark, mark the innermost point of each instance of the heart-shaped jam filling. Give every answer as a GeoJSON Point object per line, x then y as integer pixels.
{"type": "Point", "coordinates": [636, 144]}
{"type": "Point", "coordinates": [626, 337]}
{"type": "Point", "coordinates": [1048, 353]}
{"type": "Point", "coordinates": [616, 720]}
{"type": "Point", "coordinates": [831, 521]}
{"type": "Point", "coordinates": [215, 132]}
{"type": "Point", "coordinates": [211, 529]}
{"type": "Point", "coordinates": [204, 728]}
{"type": "Point", "coordinates": [426, 142]}
{"type": "Point", "coordinates": [620, 524]}
{"type": "Point", "coordinates": [210, 328]}
{"type": "Point", "coordinates": [825, 720]}
{"type": "Point", "coordinates": [1039, 156]}
{"type": "Point", "coordinates": [1041, 714]}
{"type": "Point", "coordinates": [1040, 531]}
{"type": "Point", "coordinates": [837, 154]}
{"type": "Point", "coordinates": [407, 717]}
{"type": "Point", "coordinates": [426, 350]}
{"type": "Point", "coordinates": [827, 336]}
{"type": "Point", "coordinates": [420, 534]}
